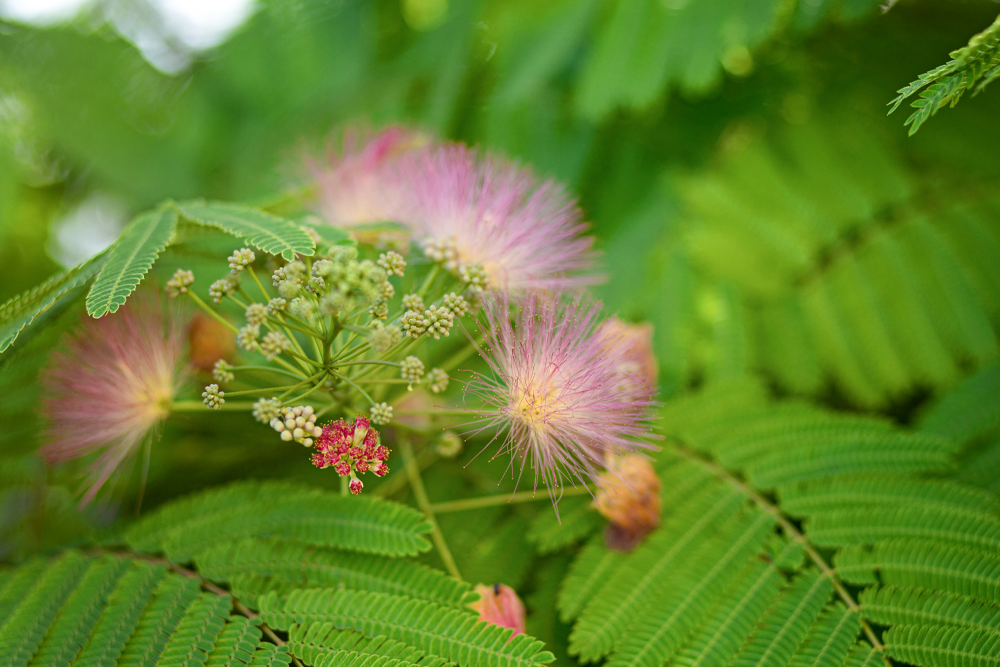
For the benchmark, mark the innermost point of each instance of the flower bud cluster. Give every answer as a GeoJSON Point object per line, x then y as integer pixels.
{"type": "Point", "coordinates": [220, 289]}
{"type": "Point", "coordinates": [435, 321]}
{"type": "Point", "coordinates": [382, 337]}
{"type": "Point", "coordinates": [222, 372]}
{"type": "Point", "coordinates": [247, 337]}
{"type": "Point", "coordinates": [411, 369]}
{"type": "Point", "coordinates": [241, 259]}
{"type": "Point", "coordinates": [273, 344]}
{"type": "Point", "coordinates": [351, 450]}
{"type": "Point", "coordinates": [213, 397]}
{"type": "Point", "coordinates": [381, 413]}
{"type": "Point", "coordinates": [266, 409]}
{"type": "Point", "coordinates": [256, 313]}
{"type": "Point", "coordinates": [475, 276]}
{"type": "Point", "coordinates": [437, 379]}
{"type": "Point", "coordinates": [336, 285]}
{"type": "Point", "coordinates": [180, 282]}
{"type": "Point", "coordinates": [298, 424]}
{"type": "Point", "coordinates": [393, 263]}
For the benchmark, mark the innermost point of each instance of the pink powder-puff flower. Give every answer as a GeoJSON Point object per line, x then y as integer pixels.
{"type": "Point", "coordinates": [499, 605]}
{"type": "Point", "coordinates": [493, 223]}
{"type": "Point", "coordinates": [359, 184]}
{"type": "Point", "coordinates": [111, 388]}
{"type": "Point", "coordinates": [554, 390]}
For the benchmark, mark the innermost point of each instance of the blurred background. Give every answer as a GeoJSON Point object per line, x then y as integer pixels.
{"type": "Point", "coordinates": [750, 196]}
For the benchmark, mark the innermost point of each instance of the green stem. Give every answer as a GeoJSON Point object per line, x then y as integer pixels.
{"type": "Point", "coordinates": [434, 411]}
{"type": "Point", "coordinates": [343, 486]}
{"type": "Point", "coordinates": [244, 392]}
{"type": "Point", "coordinates": [269, 369]}
{"type": "Point", "coordinates": [195, 406]}
{"type": "Point", "coordinates": [304, 382]}
{"type": "Point", "coordinates": [348, 381]}
{"type": "Point", "coordinates": [367, 363]}
{"type": "Point", "coordinates": [253, 274]}
{"type": "Point", "coordinates": [435, 270]}
{"type": "Point", "coordinates": [318, 386]}
{"type": "Point", "coordinates": [220, 318]}
{"type": "Point", "coordinates": [413, 473]}
{"type": "Point", "coordinates": [504, 499]}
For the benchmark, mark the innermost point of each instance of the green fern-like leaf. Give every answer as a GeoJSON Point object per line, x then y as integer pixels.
{"type": "Point", "coordinates": [129, 259]}
{"type": "Point", "coordinates": [928, 565]}
{"type": "Point", "coordinates": [265, 231]}
{"type": "Point", "coordinates": [455, 635]}
{"type": "Point", "coordinates": [294, 565]}
{"type": "Point", "coordinates": [936, 645]}
{"type": "Point", "coordinates": [785, 624]}
{"type": "Point", "coordinates": [116, 610]}
{"type": "Point", "coordinates": [905, 605]}
{"type": "Point", "coordinates": [323, 643]}
{"type": "Point", "coordinates": [862, 291]}
{"type": "Point", "coordinates": [185, 528]}
{"type": "Point", "coordinates": [22, 310]}
{"type": "Point", "coordinates": [729, 579]}
{"type": "Point", "coordinates": [971, 68]}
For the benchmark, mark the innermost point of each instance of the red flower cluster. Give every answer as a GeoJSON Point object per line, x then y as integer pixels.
{"type": "Point", "coordinates": [351, 449]}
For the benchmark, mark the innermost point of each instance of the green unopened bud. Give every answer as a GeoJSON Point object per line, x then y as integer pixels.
{"type": "Point", "coordinates": [381, 413]}
{"type": "Point", "coordinates": [393, 263]}
{"type": "Point", "coordinates": [411, 369]}
{"type": "Point", "coordinates": [180, 282]}
{"type": "Point", "coordinates": [256, 313]}
{"type": "Point", "coordinates": [437, 380]}
{"type": "Point", "coordinates": [222, 372]}
{"type": "Point", "coordinates": [273, 344]}
{"type": "Point", "coordinates": [213, 397]}
{"type": "Point", "coordinates": [240, 259]}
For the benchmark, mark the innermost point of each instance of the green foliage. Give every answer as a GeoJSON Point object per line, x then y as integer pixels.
{"type": "Point", "coordinates": [129, 259]}
{"type": "Point", "coordinates": [255, 567]}
{"type": "Point", "coordinates": [844, 277]}
{"type": "Point", "coordinates": [100, 610]}
{"type": "Point", "coordinates": [185, 528]}
{"type": "Point", "coordinates": [22, 310]}
{"type": "Point", "coordinates": [723, 581]}
{"type": "Point", "coordinates": [322, 644]}
{"type": "Point", "coordinates": [971, 68]}
{"type": "Point", "coordinates": [262, 230]}
{"type": "Point", "coordinates": [454, 635]}
{"type": "Point", "coordinates": [929, 645]}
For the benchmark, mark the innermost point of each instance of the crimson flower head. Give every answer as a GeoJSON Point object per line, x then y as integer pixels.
{"type": "Point", "coordinates": [351, 450]}
{"type": "Point", "coordinates": [494, 223]}
{"type": "Point", "coordinates": [111, 387]}
{"type": "Point", "coordinates": [359, 184]}
{"type": "Point", "coordinates": [554, 388]}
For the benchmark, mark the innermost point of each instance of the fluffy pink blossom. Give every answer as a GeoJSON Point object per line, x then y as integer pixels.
{"type": "Point", "coordinates": [555, 390]}
{"type": "Point", "coordinates": [360, 185]}
{"type": "Point", "coordinates": [472, 210]}
{"type": "Point", "coordinates": [111, 388]}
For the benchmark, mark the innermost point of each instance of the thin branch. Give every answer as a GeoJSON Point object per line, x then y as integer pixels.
{"type": "Point", "coordinates": [791, 531]}
{"type": "Point", "coordinates": [413, 472]}
{"type": "Point", "coordinates": [503, 499]}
